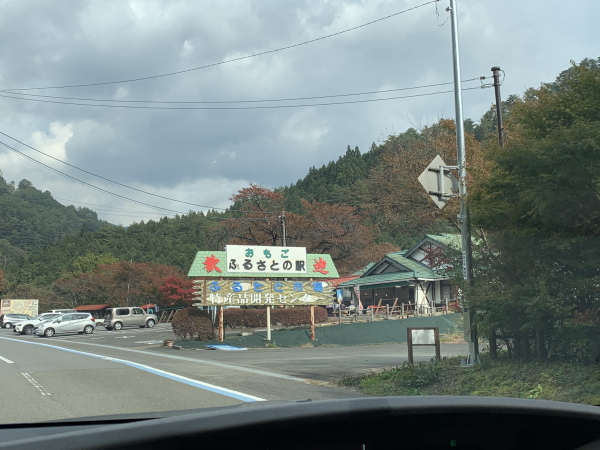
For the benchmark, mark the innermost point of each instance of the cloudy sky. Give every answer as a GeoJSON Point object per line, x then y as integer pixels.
{"type": "Point", "coordinates": [204, 156]}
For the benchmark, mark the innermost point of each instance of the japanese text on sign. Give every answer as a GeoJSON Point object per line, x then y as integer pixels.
{"type": "Point", "coordinates": [257, 293]}
{"type": "Point", "coordinates": [253, 259]}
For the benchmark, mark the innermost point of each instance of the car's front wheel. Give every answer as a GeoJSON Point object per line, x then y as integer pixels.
{"type": "Point", "coordinates": [88, 329]}
{"type": "Point", "coordinates": [150, 323]}
{"type": "Point", "coordinates": [7, 325]}
{"type": "Point", "coordinates": [28, 329]}
{"type": "Point", "coordinates": [117, 325]}
{"type": "Point", "coordinates": [49, 332]}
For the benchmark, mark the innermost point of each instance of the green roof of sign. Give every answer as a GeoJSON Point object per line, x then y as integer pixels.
{"type": "Point", "coordinates": [198, 268]}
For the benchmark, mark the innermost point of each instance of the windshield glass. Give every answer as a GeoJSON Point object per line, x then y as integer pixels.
{"type": "Point", "coordinates": [265, 203]}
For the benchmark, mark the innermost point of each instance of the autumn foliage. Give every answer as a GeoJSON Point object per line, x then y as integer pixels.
{"type": "Point", "coordinates": [118, 284]}
{"type": "Point", "coordinates": [176, 291]}
{"type": "Point", "coordinates": [341, 231]}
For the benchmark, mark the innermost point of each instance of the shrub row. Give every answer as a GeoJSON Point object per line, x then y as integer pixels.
{"type": "Point", "coordinates": [253, 318]}
{"type": "Point", "coordinates": [193, 324]}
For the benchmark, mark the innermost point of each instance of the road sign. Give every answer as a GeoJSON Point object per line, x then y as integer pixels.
{"type": "Point", "coordinates": [439, 182]}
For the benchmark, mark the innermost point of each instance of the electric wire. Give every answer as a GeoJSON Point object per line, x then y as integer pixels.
{"type": "Point", "coordinates": [115, 182]}
{"type": "Point", "coordinates": [206, 66]}
{"type": "Point", "coordinates": [83, 99]}
{"type": "Point", "coordinates": [87, 184]}
{"type": "Point", "coordinates": [227, 108]}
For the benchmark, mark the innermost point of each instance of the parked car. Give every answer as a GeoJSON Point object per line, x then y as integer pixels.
{"type": "Point", "coordinates": [26, 326]}
{"type": "Point", "coordinates": [8, 320]}
{"type": "Point", "coordinates": [62, 311]}
{"type": "Point", "coordinates": [66, 323]}
{"type": "Point", "coordinates": [118, 318]}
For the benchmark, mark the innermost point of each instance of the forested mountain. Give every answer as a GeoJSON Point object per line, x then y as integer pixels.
{"type": "Point", "coordinates": [170, 241]}
{"type": "Point", "coordinates": [30, 218]}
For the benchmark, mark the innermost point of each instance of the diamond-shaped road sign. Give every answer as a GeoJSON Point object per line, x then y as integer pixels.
{"type": "Point", "coordinates": [439, 182]}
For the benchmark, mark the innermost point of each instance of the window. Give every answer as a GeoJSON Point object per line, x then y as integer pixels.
{"type": "Point", "coordinates": [122, 312]}
{"type": "Point", "coordinates": [81, 316]}
{"type": "Point", "coordinates": [138, 311]}
{"type": "Point", "coordinates": [67, 317]}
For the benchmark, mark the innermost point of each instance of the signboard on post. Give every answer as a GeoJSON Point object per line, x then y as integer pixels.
{"type": "Point", "coordinates": [429, 336]}
{"type": "Point", "coordinates": [263, 293]}
{"type": "Point", "coordinates": [254, 258]}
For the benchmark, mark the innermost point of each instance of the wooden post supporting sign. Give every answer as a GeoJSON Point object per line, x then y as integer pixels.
{"type": "Point", "coordinates": [268, 323]}
{"type": "Point", "coordinates": [221, 337]}
{"type": "Point", "coordinates": [312, 322]}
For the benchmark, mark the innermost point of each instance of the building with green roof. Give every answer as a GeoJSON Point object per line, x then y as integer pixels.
{"type": "Point", "coordinates": [406, 277]}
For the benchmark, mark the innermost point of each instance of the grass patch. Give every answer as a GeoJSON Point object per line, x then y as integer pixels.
{"type": "Point", "coordinates": [559, 381]}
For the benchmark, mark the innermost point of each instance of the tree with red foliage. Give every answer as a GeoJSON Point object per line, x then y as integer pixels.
{"type": "Point", "coordinates": [176, 291]}
{"type": "Point", "coordinates": [337, 230]}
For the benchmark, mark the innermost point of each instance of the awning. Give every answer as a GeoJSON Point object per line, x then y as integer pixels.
{"type": "Point", "coordinates": [368, 287]}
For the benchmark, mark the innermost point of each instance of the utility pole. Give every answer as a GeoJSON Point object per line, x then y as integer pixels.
{"type": "Point", "coordinates": [282, 219]}
{"type": "Point", "coordinates": [463, 217]}
{"type": "Point", "coordinates": [496, 72]}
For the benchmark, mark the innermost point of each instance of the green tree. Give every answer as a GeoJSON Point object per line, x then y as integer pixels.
{"type": "Point", "coordinates": [538, 266]}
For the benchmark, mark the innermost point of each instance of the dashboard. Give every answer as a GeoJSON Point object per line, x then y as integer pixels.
{"type": "Point", "coordinates": [348, 424]}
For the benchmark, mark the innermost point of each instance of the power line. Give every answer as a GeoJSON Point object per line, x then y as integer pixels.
{"type": "Point", "coordinates": [216, 108]}
{"type": "Point", "coordinates": [144, 214]}
{"type": "Point", "coordinates": [95, 204]}
{"type": "Point", "coordinates": [83, 99]}
{"type": "Point", "coordinates": [85, 183]}
{"type": "Point", "coordinates": [228, 60]}
{"type": "Point", "coordinates": [112, 181]}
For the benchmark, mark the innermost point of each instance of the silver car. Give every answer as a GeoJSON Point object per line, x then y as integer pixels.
{"type": "Point", "coordinates": [128, 316]}
{"type": "Point", "coordinates": [10, 319]}
{"type": "Point", "coordinates": [82, 323]}
{"type": "Point", "coordinates": [26, 326]}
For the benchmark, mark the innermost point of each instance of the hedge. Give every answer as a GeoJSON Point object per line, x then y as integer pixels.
{"type": "Point", "coordinates": [193, 323]}
{"type": "Point", "coordinates": [254, 318]}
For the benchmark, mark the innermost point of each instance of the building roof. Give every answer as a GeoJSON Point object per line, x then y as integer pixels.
{"type": "Point", "coordinates": [399, 268]}
{"type": "Point", "coordinates": [363, 270]}
{"type": "Point", "coordinates": [149, 305]}
{"type": "Point", "coordinates": [198, 269]}
{"type": "Point", "coordinates": [338, 281]}
{"type": "Point", "coordinates": [384, 278]}
{"type": "Point", "coordinates": [92, 307]}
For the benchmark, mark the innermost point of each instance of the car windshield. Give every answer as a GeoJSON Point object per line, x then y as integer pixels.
{"type": "Point", "coordinates": [232, 202]}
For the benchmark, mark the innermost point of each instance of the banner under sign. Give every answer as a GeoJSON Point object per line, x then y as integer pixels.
{"type": "Point", "coordinates": [251, 259]}
{"type": "Point", "coordinates": [263, 293]}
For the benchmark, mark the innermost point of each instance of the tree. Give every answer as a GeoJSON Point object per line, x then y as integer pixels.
{"type": "Point", "coordinates": [538, 280]}
{"type": "Point", "coordinates": [119, 284]}
{"type": "Point", "coordinates": [176, 291]}
{"type": "Point", "coordinates": [338, 230]}
{"type": "Point", "coordinates": [395, 199]}
{"type": "Point", "coordinates": [91, 261]}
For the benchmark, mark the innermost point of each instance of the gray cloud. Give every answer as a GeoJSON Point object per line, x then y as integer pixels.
{"type": "Point", "coordinates": [204, 156]}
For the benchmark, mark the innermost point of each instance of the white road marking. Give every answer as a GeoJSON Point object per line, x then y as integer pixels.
{"type": "Point", "coordinates": [180, 358]}
{"type": "Point", "coordinates": [8, 361]}
{"type": "Point", "coordinates": [163, 373]}
{"type": "Point", "coordinates": [35, 384]}
{"type": "Point", "coordinates": [149, 342]}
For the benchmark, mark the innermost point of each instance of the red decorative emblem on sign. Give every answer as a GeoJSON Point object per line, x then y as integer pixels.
{"type": "Point", "coordinates": [320, 265]}
{"type": "Point", "coordinates": [210, 263]}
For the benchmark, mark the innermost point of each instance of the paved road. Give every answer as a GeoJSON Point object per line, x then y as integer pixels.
{"type": "Point", "coordinates": [111, 372]}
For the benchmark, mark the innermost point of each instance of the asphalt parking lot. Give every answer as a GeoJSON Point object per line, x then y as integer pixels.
{"type": "Point", "coordinates": [126, 337]}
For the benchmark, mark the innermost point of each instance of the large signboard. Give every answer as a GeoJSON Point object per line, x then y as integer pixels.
{"type": "Point", "coordinates": [25, 306]}
{"type": "Point", "coordinates": [252, 259]}
{"type": "Point", "coordinates": [263, 293]}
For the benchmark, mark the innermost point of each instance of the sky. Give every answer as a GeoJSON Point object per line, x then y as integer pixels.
{"type": "Point", "coordinates": [204, 156]}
